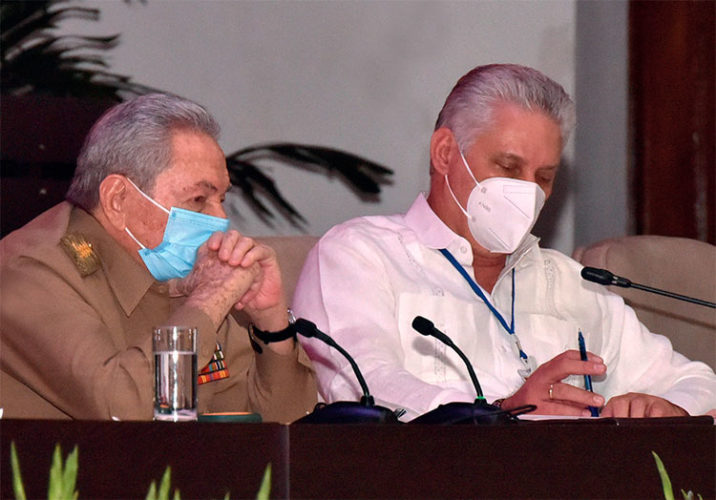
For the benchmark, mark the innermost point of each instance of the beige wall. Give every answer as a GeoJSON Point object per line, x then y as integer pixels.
{"type": "Point", "coordinates": [365, 76]}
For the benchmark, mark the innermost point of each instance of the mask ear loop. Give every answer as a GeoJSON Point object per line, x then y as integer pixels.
{"type": "Point", "coordinates": [447, 181]}
{"type": "Point", "coordinates": [147, 196]}
{"type": "Point", "coordinates": [455, 198]}
{"type": "Point", "coordinates": [126, 229]}
{"type": "Point", "coordinates": [464, 162]}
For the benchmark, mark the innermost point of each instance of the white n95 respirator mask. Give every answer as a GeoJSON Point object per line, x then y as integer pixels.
{"type": "Point", "coordinates": [501, 211]}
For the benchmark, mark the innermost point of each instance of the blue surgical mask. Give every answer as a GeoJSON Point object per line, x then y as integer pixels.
{"type": "Point", "coordinates": [185, 232]}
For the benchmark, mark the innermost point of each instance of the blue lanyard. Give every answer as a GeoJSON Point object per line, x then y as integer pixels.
{"type": "Point", "coordinates": [476, 288]}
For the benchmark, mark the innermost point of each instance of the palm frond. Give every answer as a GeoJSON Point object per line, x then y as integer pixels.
{"type": "Point", "coordinates": [363, 176]}
{"type": "Point", "coordinates": [26, 27]}
{"type": "Point", "coordinates": [33, 59]}
{"type": "Point", "coordinates": [253, 185]}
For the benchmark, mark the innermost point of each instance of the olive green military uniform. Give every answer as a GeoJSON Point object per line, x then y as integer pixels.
{"type": "Point", "coordinates": [76, 318]}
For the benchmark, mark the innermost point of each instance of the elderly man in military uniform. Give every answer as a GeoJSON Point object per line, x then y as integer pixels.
{"type": "Point", "coordinates": [142, 241]}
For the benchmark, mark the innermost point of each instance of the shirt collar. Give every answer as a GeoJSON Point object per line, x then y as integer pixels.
{"type": "Point", "coordinates": [128, 279]}
{"type": "Point", "coordinates": [527, 244]}
{"type": "Point", "coordinates": [432, 232]}
{"type": "Point", "coordinates": [429, 228]}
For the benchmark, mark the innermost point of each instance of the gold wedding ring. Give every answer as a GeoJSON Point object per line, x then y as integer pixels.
{"type": "Point", "coordinates": [551, 390]}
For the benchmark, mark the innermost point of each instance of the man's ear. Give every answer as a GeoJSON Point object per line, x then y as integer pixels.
{"type": "Point", "coordinates": [113, 200]}
{"type": "Point", "coordinates": [442, 146]}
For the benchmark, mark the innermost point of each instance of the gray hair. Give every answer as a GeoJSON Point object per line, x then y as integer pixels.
{"type": "Point", "coordinates": [134, 139]}
{"type": "Point", "coordinates": [468, 109]}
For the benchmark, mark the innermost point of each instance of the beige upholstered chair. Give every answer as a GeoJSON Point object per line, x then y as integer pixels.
{"type": "Point", "coordinates": [291, 252]}
{"type": "Point", "coordinates": [679, 265]}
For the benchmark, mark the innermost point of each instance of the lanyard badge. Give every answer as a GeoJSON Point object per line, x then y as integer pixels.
{"type": "Point", "coordinates": [529, 363]}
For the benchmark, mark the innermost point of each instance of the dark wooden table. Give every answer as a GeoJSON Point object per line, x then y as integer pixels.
{"type": "Point", "coordinates": [555, 459]}
{"type": "Point", "coordinates": [121, 459]}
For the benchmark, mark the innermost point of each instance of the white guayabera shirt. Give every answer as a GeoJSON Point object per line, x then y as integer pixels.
{"type": "Point", "coordinates": [367, 279]}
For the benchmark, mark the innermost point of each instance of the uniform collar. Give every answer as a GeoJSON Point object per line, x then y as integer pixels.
{"type": "Point", "coordinates": [128, 279]}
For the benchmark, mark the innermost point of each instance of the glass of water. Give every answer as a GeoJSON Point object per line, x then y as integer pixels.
{"type": "Point", "coordinates": [175, 373]}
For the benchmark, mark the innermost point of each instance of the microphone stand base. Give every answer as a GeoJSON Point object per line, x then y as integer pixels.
{"type": "Point", "coordinates": [466, 413]}
{"type": "Point", "coordinates": [347, 412]}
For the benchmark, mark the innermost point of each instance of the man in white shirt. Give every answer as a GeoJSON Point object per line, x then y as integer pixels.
{"type": "Point", "coordinates": [463, 258]}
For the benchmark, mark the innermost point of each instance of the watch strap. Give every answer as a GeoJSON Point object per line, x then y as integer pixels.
{"type": "Point", "coordinates": [268, 337]}
{"type": "Point", "coordinates": [258, 336]}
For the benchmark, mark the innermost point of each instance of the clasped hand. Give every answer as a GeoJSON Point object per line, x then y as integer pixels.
{"type": "Point", "coordinates": [232, 270]}
{"type": "Point", "coordinates": [545, 389]}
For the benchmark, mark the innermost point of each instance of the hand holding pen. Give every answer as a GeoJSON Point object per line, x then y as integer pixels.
{"type": "Point", "coordinates": [546, 389]}
{"type": "Point", "coordinates": [587, 378]}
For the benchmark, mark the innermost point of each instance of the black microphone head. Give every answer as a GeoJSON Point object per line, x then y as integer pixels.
{"type": "Point", "coordinates": [305, 327]}
{"type": "Point", "coordinates": [426, 327]}
{"type": "Point", "coordinates": [423, 326]}
{"type": "Point", "coordinates": [601, 276]}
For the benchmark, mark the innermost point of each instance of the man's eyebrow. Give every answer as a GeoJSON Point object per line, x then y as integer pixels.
{"type": "Point", "coordinates": [208, 185]}
{"type": "Point", "coordinates": [515, 158]}
{"type": "Point", "coordinates": [211, 187]}
{"type": "Point", "coordinates": [511, 157]}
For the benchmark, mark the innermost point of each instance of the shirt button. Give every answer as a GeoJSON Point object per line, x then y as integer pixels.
{"type": "Point", "coordinates": [463, 250]}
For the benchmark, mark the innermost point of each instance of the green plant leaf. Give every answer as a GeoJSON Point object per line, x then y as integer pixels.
{"type": "Point", "coordinates": [152, 493]}
{"type": "Point", "coordinates": [665, 481]}
{"type": "Point", "coordinates": [70, 474]}
{"type": "Point", "coordinates": [163, 493]}
{"type": "Point", "coordinates": [55, 489]}
{"type": "Point", "coordinates": [265, 489]}
{"type": "Point", "coordinates": [17, 485]}
{"type": "Point", "coordinates": [690, 495]}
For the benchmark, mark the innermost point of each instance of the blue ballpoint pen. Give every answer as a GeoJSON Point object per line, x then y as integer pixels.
{"type": "Point", "coordinates": [587, 378]}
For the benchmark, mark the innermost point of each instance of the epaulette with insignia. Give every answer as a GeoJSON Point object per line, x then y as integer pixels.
{"type": "Point", "coordinates": [81, 252]}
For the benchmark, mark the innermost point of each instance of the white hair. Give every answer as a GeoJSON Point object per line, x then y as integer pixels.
{"type": "Point", "coordinates": [134, 139]}
{"type": "Point", "coordinates": [468, 108]}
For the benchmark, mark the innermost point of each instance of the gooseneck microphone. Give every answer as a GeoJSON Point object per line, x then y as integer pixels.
{"type": "Point", "coordinates": [426, 327]}
{"type": "Point", "coordinates": [309, 330]}
{"type": "Point", "coordinates": [343, 411]}
{"type": "Point", "coordinates": [604, 277]}
{"type": "Point", "coordinates": [479, 412]}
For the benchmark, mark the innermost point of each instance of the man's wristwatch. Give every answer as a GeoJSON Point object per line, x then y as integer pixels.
{"type": "Point", "coordinates": [258, 336]}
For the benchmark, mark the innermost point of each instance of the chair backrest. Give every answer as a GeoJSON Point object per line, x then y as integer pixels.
{"type": "Point", "coordinates": [680, 265]}
{"type": "Point", "coordinates": [291, 252]}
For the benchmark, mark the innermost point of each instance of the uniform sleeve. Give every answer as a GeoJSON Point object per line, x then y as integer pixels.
{"type": "Point", "coordinates": [345, 289]}
{"type": "Point", "coordinates": [62, 348]}
{"type": "Point", "coordinates": [282, 388]}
